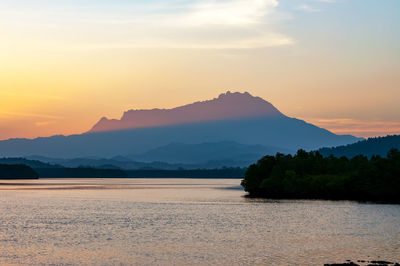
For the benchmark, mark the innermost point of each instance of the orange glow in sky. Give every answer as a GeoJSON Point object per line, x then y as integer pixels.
{"type": "Point", "coordinates": [65, 65]}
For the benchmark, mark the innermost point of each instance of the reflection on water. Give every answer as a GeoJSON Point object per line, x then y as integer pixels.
{"type": "Point", "coordinates": [182, 221]}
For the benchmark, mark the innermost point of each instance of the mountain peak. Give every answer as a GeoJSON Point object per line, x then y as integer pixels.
{"type": "Point", "coordinates": [241, 97]}
{"type": "Point", "coordinates": [235, 94]}
{"type": "Point", "coordinates": [228, 106]}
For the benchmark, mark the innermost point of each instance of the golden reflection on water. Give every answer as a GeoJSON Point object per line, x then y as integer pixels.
{"type": "Point", "coordinates": [184, 221]}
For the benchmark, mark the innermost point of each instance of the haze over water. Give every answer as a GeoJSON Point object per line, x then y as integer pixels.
{"type": "Point", "coordinates": [182, 221]}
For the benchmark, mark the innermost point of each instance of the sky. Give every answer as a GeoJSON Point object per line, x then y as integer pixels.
{"type": "Point", "coordinates": [64, 64]}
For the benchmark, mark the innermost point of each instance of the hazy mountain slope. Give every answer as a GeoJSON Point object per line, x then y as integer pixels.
{"type": "Point", "coordinates": [283, 132]}
{"type": "Point", "coordinates": [226, 107]}
{"type": "Point", "coordinates": [372, 146]}
{"type": "Point", "coordinates": [205, 152]}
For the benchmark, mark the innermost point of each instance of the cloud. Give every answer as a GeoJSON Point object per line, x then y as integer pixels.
{"type": "Point", "coordinates": [44, 123]}
{"type": "Point", "coordinates": [308, 8]}
{"type": "Point", "coordinates": [361, 128]}
{"type": "Point", "coordinates": [199, 24]}
{"type": "Point", "coordinates": [326, 1]}
{"type": "Point", "coordinates": [231, 13]}
{"type": "Point", "coordinates": [28, 115]}
{"type": "Point", "coordinates": [311, 8]}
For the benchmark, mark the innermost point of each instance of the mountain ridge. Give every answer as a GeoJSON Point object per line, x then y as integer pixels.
{"type": "Point", "coordinates": [229, 105]}
{"type": "Point", "coordinates": [252, 121]}
{"type": "Point", "coordinates": [284, 132]}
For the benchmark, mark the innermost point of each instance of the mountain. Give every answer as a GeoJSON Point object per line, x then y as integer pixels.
{"type": "Point", "coordinates": [226, 151]}
{"type": "Point", "coordinates": [245, 119]}
{"type": "Point", "coordinates": [370, 147]}
{"type": "Point", "coordinates": [227, 106]}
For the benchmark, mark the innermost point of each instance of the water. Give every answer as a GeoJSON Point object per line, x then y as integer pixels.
{"type": "Point", "coordinates": [184, 221]}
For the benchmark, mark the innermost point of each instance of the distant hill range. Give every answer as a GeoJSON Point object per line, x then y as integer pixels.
{"type": "Point", "coordinates": [228, 151]}
{"type": "Point", "coordinates": [370, 147]}
{"type": "Point", "coordinates": [235, 125]}
{"type": "Point", "coordinates": [169, 157]}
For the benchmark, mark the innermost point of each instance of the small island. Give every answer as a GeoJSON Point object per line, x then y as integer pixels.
{"type": "Point", "coordinates": [309, 175]}
{"type": "Point", "coordinates": [17, 171]}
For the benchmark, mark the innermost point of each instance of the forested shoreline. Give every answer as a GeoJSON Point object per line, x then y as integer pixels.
{"type": "Point", "coordinates": [21, 171]}
{"type": "Point", "coordinates": [309, 175]}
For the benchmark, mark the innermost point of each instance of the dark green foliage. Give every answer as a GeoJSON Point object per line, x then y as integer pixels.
{"type": "Point", "coordinates": [309, 175]}
{"type": "Point", "coordinates": [17, 171]}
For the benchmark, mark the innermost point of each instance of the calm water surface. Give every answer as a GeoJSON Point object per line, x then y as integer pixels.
{"type": "Point", "coordinates": [184, 221]}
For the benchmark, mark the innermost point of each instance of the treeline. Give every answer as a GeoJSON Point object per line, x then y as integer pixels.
{"type": "Point", "coordinates": [199, 173]}
{"type": "Point", "coordinates": [17, 171]}
{"type": "Point", "coordinates": [309, 175]}
{"type": "Point", "coordinates": [80, 172]}
{"type": "Point", "coordinates": [23, 171]}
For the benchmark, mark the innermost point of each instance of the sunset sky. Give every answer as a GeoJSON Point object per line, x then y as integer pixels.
{"type": "Point", "coordinates": [64, 64]}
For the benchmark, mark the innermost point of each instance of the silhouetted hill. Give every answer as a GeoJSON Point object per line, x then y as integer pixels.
{"type": "Point", "coordinates": [372, 146]}
{"type": "Point", "coordinates": [30, 163]}
{"type": "Point", "coordinates": [226, 107]}
{"type": "Point", "coordinates": [17, 171]}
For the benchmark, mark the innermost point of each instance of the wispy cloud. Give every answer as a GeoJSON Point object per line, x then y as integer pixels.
{"type": "Point", "coordinates": [44, 123]}
{"type": "Point", "coordinates": [210, 24]}
{"type": "Point", "coordinates": [308, 8]}
{"type": "Point", "coordinates": [325, 1]}
{"type": "Point", "coordinates": [236, 12]}
{"type": "Point", "coordinates": [27, 115]}
{"type": "Point", "coordinates": [313, 5]}
{"type": "Point", "coordinates": [361, 128]}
